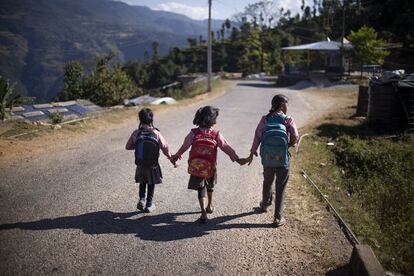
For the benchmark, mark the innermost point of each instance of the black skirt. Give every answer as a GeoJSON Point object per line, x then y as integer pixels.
{"type": "Point", "coordinates": [149, 175]}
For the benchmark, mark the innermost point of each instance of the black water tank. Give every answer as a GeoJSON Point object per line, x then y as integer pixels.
{"type": "Point", "coordinates": [406, 93]}
{"type": "Point", "coordinates": [362, 107]}
{"type": "Point", "coordinates": [390, 105]}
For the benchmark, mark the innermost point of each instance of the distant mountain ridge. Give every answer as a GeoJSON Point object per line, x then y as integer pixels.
{"type": "Point", "coordinates": [37, 37]}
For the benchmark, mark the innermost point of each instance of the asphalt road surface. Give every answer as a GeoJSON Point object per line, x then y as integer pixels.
{"type": "Point", "coordinates": [73, 210]}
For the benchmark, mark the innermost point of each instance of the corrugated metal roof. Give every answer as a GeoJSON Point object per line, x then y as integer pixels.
{"type": "Point", "coordinates": [69, 109]}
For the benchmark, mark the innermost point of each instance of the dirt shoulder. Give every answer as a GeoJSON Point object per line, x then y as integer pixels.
{"type": "Point", "coordinates": [324, 245]}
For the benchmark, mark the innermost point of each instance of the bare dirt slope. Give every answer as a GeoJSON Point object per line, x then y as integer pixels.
{"type": "Point", "coordinates": [71, 209]}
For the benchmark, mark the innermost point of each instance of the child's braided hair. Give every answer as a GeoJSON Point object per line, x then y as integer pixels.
{"type": "Point", "coordinates": [277, 103]}
{"type": "Point", "coordinates": [146, 117]}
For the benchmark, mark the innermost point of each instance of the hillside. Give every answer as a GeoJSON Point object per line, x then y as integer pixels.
{"type": "Point", "coordinates": [37, 37]}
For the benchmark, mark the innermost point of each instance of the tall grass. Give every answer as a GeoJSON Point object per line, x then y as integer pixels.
{"type": "Point", "coordinates": [368, 177]}
{"type": "Point", "coordinates": [379, 175]}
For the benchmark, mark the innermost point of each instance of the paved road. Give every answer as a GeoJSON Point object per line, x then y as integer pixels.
{"type": "Point", "coordinates": [73, 211]}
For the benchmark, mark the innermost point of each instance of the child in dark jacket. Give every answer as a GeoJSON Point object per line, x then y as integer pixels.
{"type": "Point", "coordinates": [285, 126]}
{"type": "Point", "coordinates": [204, 141]}
{"type": "Point", "coordinates": [147, 142]}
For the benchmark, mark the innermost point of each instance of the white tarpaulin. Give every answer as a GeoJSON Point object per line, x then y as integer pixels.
{"type": "Point", "coordinates": [319, 46]}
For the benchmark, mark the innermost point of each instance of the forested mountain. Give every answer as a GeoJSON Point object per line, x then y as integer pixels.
{"type": "Point", "coordinates": [37, 37]}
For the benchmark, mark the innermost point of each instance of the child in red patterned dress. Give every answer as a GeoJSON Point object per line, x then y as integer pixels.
{"type": "Point", "coordinates": [204, 142]}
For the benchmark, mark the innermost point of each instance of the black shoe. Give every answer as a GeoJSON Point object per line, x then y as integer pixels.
{"type": "Point", "coordinates": [140, 205]}
{"type": "Point", "coordinates": [150, 208]}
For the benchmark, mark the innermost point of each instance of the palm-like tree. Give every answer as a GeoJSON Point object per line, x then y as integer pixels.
{"type": "Point", "coordinates": [6, 100]}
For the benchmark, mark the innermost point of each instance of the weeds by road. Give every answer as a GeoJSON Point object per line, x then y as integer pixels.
{"type": "Point", "coordinates": [368, 176]}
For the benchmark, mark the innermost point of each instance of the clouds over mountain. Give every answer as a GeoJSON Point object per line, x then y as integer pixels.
{"type": "Point", "coordinates": [195, 12]}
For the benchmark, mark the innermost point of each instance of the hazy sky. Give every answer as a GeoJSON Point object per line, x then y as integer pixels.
{"type": "Point", "coordinates": [198, 9]}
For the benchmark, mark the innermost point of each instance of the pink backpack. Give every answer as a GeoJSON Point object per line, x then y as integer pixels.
{"type": "Point", "coordinates": [203, 153]}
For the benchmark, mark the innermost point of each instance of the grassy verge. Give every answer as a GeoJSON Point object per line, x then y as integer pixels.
{"type": "Point", "coordinates": [367, 175]}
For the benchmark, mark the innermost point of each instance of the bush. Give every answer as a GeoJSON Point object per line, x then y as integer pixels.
{"type": "Point", "coordinates": [106, 85]}
{"type": "Point", "coordinates": [56, 117]}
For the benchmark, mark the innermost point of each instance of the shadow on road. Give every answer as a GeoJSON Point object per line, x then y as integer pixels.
{"type": "Point", "coordinates": [258, 84]}
{"type": "Point", "coordinates": [162, 227]}
{"type": "Point", "coordinates": [340, 271]}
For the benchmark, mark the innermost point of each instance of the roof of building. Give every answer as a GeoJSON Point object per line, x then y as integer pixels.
{"type": "Point", "coordinates": [41, 112]}
{"type": "Point", "coordinates": [320, 46]}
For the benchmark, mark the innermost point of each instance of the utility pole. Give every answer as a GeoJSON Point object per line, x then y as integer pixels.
{"type": "Point", "coordinates": [209, 48]}
{"type": "Point", "coordinates": [343, 36]}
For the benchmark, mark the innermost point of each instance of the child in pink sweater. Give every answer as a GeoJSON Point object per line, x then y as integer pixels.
{"type": "Point", "coordinates": [277, 112]}
{"type": "Point", "coordinates": [147, 141]}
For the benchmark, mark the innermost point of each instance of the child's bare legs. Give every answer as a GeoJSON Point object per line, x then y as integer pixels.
{"type": "Point", "coordinates": [210, 189]}
{"type": "Point", "coordinates": [203, 210]}
{"type": "Point", "coordinates": [210, 200]}
{"type": "Point", "coordinates": [201, 196]}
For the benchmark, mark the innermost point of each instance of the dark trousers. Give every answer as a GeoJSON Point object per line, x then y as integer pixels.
{"type": "Point", "coordinates": [142, 189]}
{"type": "Point", "coordinates": [282, 177]}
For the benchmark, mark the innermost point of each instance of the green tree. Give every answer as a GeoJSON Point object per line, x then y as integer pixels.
{"type": "Point", "coordinates": [137, 71]}
{"type": "Point", "coordinates": [6, 92]}
{"type": "Point", "coordinates": [192, 41]}
{"type": "Point", "coordinates": [6, 97]}
{"type": "Point", "coordinates": [72, 82]}
{"type": "Point", "coordinates": [108, 84]}
{"type": "Point", "coordinates": [367, 47]}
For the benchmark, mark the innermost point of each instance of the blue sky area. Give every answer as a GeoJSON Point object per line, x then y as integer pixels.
{"type": "Point", "coordinates": [198, 9]}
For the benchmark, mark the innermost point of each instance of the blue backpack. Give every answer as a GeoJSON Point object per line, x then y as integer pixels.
{"type": "Point", "coordinates": [274, 145]}
{"type": "Point", "coordinates": [147, 149]}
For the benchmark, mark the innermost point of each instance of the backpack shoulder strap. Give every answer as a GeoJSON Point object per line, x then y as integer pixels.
{"type": "Point", "coordinates": [215, 133]}
{"type": "Point", "coordinates": [196, 131]}
{"type": "Point", "coordinates": [279, 119]}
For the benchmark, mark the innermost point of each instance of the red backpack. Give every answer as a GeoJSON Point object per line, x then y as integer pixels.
{"type": "Point", "coordinates": [203, 154]}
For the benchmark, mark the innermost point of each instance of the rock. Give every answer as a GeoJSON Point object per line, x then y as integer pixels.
{"type": "Point", "coordinates": [56, 127]}
{"type": "Point", "coordinates": [42, 123]}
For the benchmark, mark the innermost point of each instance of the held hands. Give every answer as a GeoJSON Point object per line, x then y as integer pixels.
{"type": "Point", "coordinates": [241, 161]}
{"type": "Point", "coordinates": [250, 158]}
{"type": "Point", "coordinates": [174, 158]}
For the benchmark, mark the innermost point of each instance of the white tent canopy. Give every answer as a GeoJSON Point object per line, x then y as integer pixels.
{"type": "Point", "coordinates": [320, 46]}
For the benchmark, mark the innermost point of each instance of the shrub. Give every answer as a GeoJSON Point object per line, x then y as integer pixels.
{"type": "Point", "coordinates": [56, 117]}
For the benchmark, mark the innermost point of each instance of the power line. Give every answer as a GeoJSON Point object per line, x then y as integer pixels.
{"type": "Point", "coordinates": [231, 7]}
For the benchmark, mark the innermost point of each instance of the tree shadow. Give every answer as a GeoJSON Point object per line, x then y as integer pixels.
{"type": "Point", "coordinates": [258, 84]}
{"type": "Point", "coordinates": [363, 130]}
{"type": "Point", "coordinates": [162, 227]}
